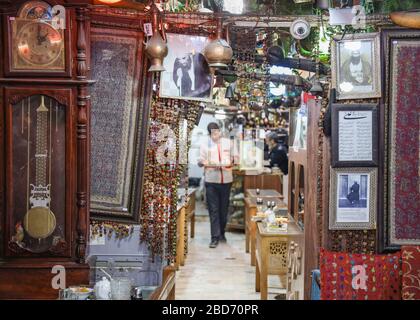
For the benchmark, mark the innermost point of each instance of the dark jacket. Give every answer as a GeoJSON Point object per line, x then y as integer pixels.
{"type": "Point", "coordinates": [202, 76]}
{"type": "Point", "coordinates": [354, 193]}
{"type": "Point", "coordinates": [278, 156]}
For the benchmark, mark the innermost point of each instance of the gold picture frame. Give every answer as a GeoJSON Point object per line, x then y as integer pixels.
{"type": "Point", "coordinates": [353, 208]}
{"type": "Point", "coordinates": [356, 66]}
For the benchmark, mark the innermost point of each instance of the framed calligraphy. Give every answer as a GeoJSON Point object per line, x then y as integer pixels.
{"type": "Point", "coordinates": [354, 135]}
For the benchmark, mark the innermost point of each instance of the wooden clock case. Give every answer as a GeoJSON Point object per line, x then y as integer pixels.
{"type": "Point", "coordinates": [23, 273]}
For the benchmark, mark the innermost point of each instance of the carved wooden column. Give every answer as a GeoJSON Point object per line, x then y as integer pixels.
{"type": "Point", "coordinates": [83, 119]}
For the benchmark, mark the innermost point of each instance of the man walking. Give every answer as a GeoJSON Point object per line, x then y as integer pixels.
{"type": "Point", "coordinates": [216, 158]}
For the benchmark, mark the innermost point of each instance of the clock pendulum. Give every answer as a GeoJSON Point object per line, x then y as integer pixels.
{"type": "Point", "coordinates": [40, 222]}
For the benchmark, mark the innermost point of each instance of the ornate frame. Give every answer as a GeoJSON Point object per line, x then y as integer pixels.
{"type": "Point", "coordinates": [376, 67]}
{"type": "Point", "coordinates": [373, 181]}
{"type": "Point", "coordinates": [141, 101]}
{"type": "Point", "coordinates": [336, 108]}
{"type": "Point", "coordinates": [385, 244]}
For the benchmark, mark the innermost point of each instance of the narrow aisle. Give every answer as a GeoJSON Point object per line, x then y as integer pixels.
{"type": "Point", "coordinates": [223, 273]}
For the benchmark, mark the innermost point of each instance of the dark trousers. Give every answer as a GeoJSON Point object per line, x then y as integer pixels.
{"type": "Point", "coordinates": [217, 195]}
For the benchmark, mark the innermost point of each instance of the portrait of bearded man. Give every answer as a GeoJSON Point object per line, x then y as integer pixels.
{"type": "Point", "coordinates": [356, 70]}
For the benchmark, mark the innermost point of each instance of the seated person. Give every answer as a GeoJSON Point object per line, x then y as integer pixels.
{"type": "Point", "coordinates": [277, 155]}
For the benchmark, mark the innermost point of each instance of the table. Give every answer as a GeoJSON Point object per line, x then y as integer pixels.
{"type": "Point", "coordinates": [190, 207]}
{"type": "Point", "coordinates": [271, 254]}
{"type": "Point", "coordinates": [189, 216]}
{"type": "Point", "coordinates": [250, 226]}
{"type": "Point", "coordinates": [264, 193]}
{"type": "Point", "coordinates": [180, 236]}
{"type": "Point", "coordinates": [250, 193]}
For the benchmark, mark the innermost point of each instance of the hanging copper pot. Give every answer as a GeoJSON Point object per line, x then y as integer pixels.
{"type": "Point", "coordinates": [218, 52]}
{"type": "Point", "coordinates": [156, 47]}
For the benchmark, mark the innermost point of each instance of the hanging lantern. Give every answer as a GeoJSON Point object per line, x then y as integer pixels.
{"type": "Point", "coordinates": [156, 48]}
{"type": "Point", "coordinates": [218, 52]}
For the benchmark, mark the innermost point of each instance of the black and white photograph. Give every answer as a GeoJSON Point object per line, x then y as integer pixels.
{"type": "Point", "coordinates": [355, 67]}
{"type": "Point", "coordinates": [353, 198]}
{"type": "Point", "coordinates": [187, 74]}
{"type": "Point", "coordinates": [353, 191]}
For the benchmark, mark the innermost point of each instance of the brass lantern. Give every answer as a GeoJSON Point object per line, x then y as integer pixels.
{"type": "Point", "coordinates": [218, 52]}
{"type": "Point", "coordinates": [156, 48]}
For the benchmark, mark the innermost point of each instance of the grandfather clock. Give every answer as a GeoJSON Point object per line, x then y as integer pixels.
{"type": "Point", "coordinates": [44, 147]}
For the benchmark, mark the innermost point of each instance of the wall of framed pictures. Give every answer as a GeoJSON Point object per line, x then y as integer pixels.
{"type": "Point", "coordinates": [373, 165]}
{"type": "Point", "coordinates": [353, 175]}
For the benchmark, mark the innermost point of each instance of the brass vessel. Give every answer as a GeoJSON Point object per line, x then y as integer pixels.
{"type": "Point", "coordinates": [156, 47]}
{"type": "Point", "coordinates": [218, 52]}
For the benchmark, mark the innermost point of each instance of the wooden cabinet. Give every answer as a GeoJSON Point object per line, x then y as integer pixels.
{"type": "Point", "coordinates": [264, 181]}
{"type": "Point", "coordinates": [44, 142]}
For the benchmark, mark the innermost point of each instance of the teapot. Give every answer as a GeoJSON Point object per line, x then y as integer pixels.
{"type": "Point", "coordinates": [103, 289]}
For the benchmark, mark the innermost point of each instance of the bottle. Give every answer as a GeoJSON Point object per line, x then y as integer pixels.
{"type": "Point", "coordinates": [271, 217]}
{"type": "Point", "coordinates": [103, 289]}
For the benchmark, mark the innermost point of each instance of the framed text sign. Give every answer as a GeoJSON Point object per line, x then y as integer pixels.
{"type": "Point", "coordinates": [355, 135]}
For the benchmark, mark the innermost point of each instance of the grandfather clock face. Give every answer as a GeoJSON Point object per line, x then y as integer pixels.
{"type": "Point", "coordinates": [36, 44]}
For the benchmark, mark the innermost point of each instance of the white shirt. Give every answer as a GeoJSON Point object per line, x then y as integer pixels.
{"type": "Point", "coordinates": [220, 154]}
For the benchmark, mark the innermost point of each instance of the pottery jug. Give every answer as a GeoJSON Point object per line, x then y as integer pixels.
{"type": "Point", "coordinates": [103, 289]}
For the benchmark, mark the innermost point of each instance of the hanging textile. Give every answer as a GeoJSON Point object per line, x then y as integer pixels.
{"type": "Point", "coordinates": [410, 272]}
{"type": "Point", "coordinates": [346, 276]}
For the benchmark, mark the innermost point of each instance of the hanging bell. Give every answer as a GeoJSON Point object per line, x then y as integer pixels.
{"type": "Point", "coordinates": [230, 91]}
{"type": "Point", "coordinates": [298, 81]}
{"type": "Point", "coordinates": [218, 52]}
{"type": "Point", "coordinates": [316, 88]}
{"type": "Point", "coordinates": [156, 47]}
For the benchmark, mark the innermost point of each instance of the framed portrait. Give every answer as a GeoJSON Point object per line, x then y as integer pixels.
{"type": "Point", "coordinates": [355, 66]}
{"type": "Point", "coordinates": [354, 135]}
{"type": "Point", "coordinates": [187, 75]}
{"type": "Point", "coordinates": [353, 198]}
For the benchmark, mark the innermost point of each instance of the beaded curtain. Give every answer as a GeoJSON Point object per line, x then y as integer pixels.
{"type": "Point", "coordinates": [161, 180]}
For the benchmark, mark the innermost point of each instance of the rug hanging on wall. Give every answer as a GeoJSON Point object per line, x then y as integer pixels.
{"type": "Point", "coordinates": [411, 272]}
{"type": "Point", "coordinates": [346, 276]}
{"type": "Point", "coordinates": [404, 153]}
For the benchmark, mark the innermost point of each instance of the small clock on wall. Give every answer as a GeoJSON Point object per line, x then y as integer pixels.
{"type": "Point", "coordinates": [37, 44]}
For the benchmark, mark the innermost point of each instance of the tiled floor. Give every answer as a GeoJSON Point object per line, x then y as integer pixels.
{"type": "Point", "coordinates": [224, 273]}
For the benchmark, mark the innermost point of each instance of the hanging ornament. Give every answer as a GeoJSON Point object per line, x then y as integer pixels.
{"type": "Point", "coordinates": [218, 52]}
{"type": "Point", "coordinates": [156, 47]}
{"type": "Point", "coordinates": [316, 88]}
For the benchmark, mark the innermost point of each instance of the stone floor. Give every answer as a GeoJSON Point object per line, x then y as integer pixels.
{"type": "Point", "coordinates": [223, 273]}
